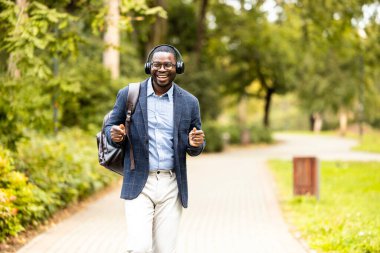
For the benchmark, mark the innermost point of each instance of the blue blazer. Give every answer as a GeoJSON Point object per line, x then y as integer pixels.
{"type": "Point", "coordinates": [186, 116]}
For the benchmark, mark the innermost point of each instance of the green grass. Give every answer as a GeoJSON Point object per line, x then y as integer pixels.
{"type": "Point", "coordinates": [369, 142]}
{"type": "Point", "coordinates": [346, 219]}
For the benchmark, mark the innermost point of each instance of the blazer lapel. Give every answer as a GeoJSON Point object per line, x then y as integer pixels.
{"type": "Point", "coordinates": [143, 105]}
{"type": "Point", "coordinates": [178, 106]}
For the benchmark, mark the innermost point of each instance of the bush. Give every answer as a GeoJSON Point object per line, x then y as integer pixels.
{"type": "Point", "coordinates": [261, 135]}
{"type": "Point", "coordinates": [52, 172]}
{"type": "Point", "coordinates": [214, 138]}
{"type": "Point", "coordinates": [256, 134]}
{"type": "Point", "coordinates": [64, 166]}
{"type": "Point", "coordinates": [232, 134]}
{"type": "Point", "coordinates": [19, 206]}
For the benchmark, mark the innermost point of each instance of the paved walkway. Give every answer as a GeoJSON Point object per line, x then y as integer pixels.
{"type": "Point", "coordinates": [232, 208]}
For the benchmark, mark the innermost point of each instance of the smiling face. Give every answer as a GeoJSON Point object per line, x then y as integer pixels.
{"type": "Point", "coordinates": [162, 77]}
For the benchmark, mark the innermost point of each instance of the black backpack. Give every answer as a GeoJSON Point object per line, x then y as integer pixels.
{"type": "Point", "coordinates": [109, 156]}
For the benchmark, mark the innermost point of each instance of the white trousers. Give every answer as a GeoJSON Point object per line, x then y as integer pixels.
{"type": "Point", "coordinates": [153, 217]}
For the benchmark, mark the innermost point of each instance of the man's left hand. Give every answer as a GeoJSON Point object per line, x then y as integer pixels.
{"type": "Point", "coordinates": [196, 137]}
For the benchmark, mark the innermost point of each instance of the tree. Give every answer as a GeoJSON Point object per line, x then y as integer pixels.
{"type": "Point", "coordinates": [262, 52]}
{"type": "Point", "coordinates": [201, 29]}
{"type": "Point", "coordinates": [329, 69]}
{"type": "Point", "coordinates": [111, 55]}
{"type": "Point", "coordinates": [28, 37]}
{"type": "Point", "coordinates": [38, 35]}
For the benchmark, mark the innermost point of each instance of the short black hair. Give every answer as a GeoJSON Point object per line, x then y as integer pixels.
{"type": "Point", "coordinates": [166, 49]}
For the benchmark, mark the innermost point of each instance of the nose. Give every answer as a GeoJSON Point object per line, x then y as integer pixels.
{"type": "Point", "coordinates": [162, 67]}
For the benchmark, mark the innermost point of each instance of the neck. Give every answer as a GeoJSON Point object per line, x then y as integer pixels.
{"type": "Point", "coordinates": [159, 90]}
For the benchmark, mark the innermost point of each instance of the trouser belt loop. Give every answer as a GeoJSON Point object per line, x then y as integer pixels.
{"type": "Point", "coordinates": [159, 171]}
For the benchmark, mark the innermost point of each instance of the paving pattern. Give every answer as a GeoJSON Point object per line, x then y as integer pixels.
{"type": "Point", "coordinates": [232, 205]}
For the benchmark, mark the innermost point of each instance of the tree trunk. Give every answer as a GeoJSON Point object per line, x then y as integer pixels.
{"type": "Point", "coordinates": [268, 100]}
{"type": "Point", "coordinates": [311, 122]}
{"type": "Point", "coordinates": [13, 71]}
{"type": "Point", "coordinates": [111, 55]}
{"type": "Point", "coordinates": [343, 118]}
{"type": "Point", "coordinates": [159, 30]}
{"type": "Point", "coordinates": [242, 3]}
{"type": "Point", "coordinates": [242, 118]}
{"type": "Point", "coordinates": [318, 122]}
{"type": "Point", "coordinates": [200, 31]}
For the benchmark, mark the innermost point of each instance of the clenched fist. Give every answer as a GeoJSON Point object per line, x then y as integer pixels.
{"type": "Point", "coordinates": [196, 137]}
{"type": "Point", "coordinates": [117, 133]}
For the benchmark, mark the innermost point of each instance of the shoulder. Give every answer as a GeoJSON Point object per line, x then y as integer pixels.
{"type": "Point", "coordinates": [185, 94]}
{"type": "Point", "coordinates": [123, 92]}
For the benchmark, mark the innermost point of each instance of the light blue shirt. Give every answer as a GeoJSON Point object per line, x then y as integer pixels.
{"type": "Point", "coordinates": [160, 129]}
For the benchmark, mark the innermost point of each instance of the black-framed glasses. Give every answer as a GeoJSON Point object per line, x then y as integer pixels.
{"type": "Point", "coordinates": [167, 65]}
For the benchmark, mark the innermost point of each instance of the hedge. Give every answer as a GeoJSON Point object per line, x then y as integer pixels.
{"type": "Point", "coordinates": [44, 175]}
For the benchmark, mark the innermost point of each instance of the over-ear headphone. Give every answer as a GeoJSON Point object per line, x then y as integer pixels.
{"type": "Point", "coordinates": [180, 66]}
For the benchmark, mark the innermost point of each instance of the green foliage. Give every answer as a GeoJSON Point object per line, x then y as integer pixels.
{"type": "Point", "coordinates": [64, 166]}
{"type": "Point", "coordinates": [52, 172]}
{"type": "Point", "coordinates": [346, 217]}
{"type": "Point", "coordinates": [22, 109]}
{"type": "Point", "coordinates": [129, 10]}
{"type": "Point", "coordinates": [261, 53]}
{"type": "Point", "coordinates": [182, 22]}
{"type": "Point", "coordinates": [337, 70]}
{"type": "Point", "coordinates": [54, 76]}
{"type": "Point", "coordinates": [209, 98]}
{"type": "Point", "coordinates": [81, 95]}
{"type": "Point", "coordinates": [33, 34]}
{"type": "Point", "coordinates": [233, 133]}
{"type": "Point", "coordinates": [93, 96]}
{"type": "Point", "coordinates": [19, 206]}
{"type": "Point", "coordinates": [214, 137]}
{"type": "Point", "coordinates": [202, 78]}
{"type": "Point", "coordinates": [369, 142]}
{"type": "Point", "coordinates": [260, 135]}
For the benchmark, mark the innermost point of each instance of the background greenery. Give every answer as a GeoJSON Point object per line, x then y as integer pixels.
{"type": "Point", "coordinates": [345, 219]}
{"type": "Point", "coordinates": [369, 142]}
{"type": "Point", "coordinates": [256, 66]}
{"type": "Point", "coordinates": [45, 175]}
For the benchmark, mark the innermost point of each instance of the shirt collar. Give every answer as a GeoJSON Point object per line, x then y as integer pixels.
{"type": "Point", "coordinates": [150, 91]}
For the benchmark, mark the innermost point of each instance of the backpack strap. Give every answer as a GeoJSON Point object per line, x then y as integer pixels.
{"type": "Point", "coordinates": [133, 95]}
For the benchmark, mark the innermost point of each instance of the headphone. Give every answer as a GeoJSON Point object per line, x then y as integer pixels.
{"type": "Point", "coordinates": [180, 66]}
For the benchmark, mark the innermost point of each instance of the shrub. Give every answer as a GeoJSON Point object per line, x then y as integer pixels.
{"type": "Point", "coordinates": [256, 134]}
{"type": "Point", "coordinates": [48, 173]}
{"type": "Point", "coordinates": [64, 166]}
{"type": "Point", "coordinates": [232, 133]}
{"type": "Point", "coordinates": [214, 138]}
{"type": "Point", "coordinates": [261, 135]}
{"type": "Point", "coordinates": [19, 206]}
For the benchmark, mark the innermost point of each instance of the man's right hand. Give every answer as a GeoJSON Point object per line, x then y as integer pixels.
{"type": "Point", "coordinates": [117, 133]}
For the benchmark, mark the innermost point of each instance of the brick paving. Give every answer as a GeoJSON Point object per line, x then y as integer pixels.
{"type": "Point", "coordinates": [232, 207]}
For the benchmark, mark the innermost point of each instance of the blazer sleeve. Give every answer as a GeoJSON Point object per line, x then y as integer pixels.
{"type": "Point", "coordinates": [117, 116]}
{"type": "Point", "coordinates": [195, 122]}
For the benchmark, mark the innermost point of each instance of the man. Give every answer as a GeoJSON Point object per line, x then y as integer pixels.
{"type": "Point", "coordinates": [165, 126]}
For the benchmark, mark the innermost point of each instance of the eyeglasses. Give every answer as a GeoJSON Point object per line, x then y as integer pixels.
{"type": "Point", "coordinates": [158, 65]}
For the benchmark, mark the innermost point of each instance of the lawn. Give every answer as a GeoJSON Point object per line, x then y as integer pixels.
{"type": "Point", "coordinates": [346, 219]}
{"type": "Point", "coordinates": [370, 141]}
